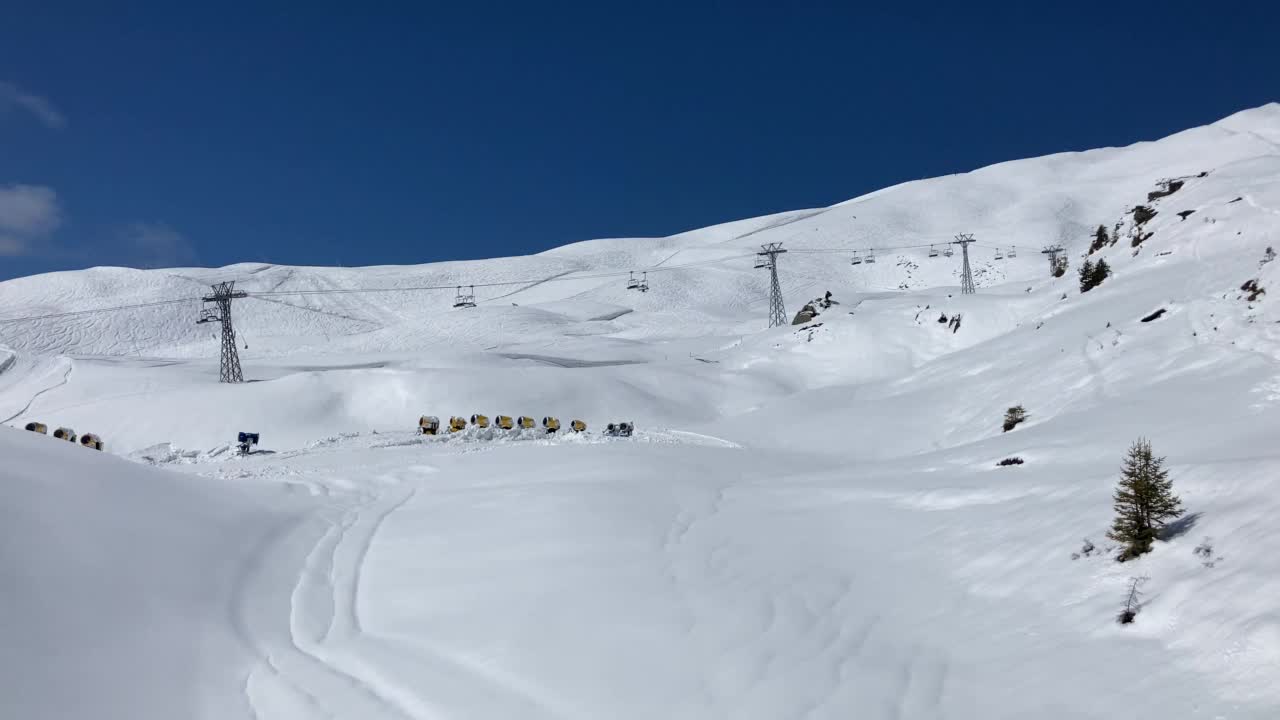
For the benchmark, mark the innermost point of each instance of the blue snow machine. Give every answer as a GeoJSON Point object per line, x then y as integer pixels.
{"type": "Point", "coordinates": [246, 442]}
{"type": "Point", "coordinates": [623, 429]}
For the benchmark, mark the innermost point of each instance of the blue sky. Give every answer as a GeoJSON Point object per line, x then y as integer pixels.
{"type": "Point", "coordinates": [153, 134]}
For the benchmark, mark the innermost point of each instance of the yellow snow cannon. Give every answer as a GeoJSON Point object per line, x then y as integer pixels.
{"type": "Point", "coordinates": [457, 424]}
{"type": "Point", "coordinates": [428, 425]}
{"type": "Point", "coordinates": [526, 423]}
{"type": "Point", "coordinates": [65, 434]}
{"type": "Point", "coordinates": [90, 440]}
{"type": "Point", "coordinates": [38, 427]}
{"type": "Point", "coordinates": [504, 421]}
{"type": "Point", "coordinates": [480, 421]}
{"type": "Point", "coordinates": [551, 424]}
{"type": "Point", "coordinates": [578, 426]}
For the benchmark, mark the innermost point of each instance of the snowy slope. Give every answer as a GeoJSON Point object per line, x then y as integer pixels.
{"type": "Point", "coordinates": [122, 584]}
{"type": "Point", "coordinates": [810, 522]}
{"type": "Point", "coordinates": [1059, 198]}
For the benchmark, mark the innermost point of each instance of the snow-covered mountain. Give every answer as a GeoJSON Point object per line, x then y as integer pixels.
{"type": "Point", "coordinates": [809, 522]}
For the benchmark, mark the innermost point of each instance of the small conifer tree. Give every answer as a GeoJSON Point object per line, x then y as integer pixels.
{"type": "Point", "coordinates": [1144, 501]}
{"type": "Point", "coordinates": [1086, 276]}
{"type": "Point", "coordinates": [1100, 239]}
{"type": "Point", "coordinates": [1013, 416]}
{"type": "Point", "coordinates": [1101, 272]}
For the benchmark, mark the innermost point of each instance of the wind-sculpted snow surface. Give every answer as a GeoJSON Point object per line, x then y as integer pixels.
{"type": "Point", "coordinates": [124, 586]}
{"type": "Point", "coordinates": [810, 521]}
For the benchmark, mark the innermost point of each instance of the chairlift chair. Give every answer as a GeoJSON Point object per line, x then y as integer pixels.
{"type": "Point", "coordinates": [871, 255]}
{"type": "Point", "coordinates": [762, 261]}
{"type": "Point", "coordinates": [634, 284]}
{"type": "Point", "coordinates": [644, 283]}
{"type": "Point", "coordinates": [933, 251]}
{"type": "Point", "coordinates": [999, 254]}
{"type": "Point", "coordinates": [1013, 253]}
{"type": "Point", "coordinates": [465, 300]}
{"type": "Point", "coordinates": [857, 259]}
{"type": "Point", "coordinates": [949, 251]}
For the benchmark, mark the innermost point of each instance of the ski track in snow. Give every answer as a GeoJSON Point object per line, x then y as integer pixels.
{"type": "Point", "coordinates": [327, 592]}
{"type": "Point", "coordinates": [66, 377]}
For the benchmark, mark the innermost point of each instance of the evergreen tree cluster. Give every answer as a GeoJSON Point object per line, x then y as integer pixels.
{"type": "Point", "coordinates": [1144, 501]}
{"type": "Point", "coordinates": [1092, 274]}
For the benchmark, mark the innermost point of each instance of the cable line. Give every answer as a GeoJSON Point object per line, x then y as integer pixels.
{"type": "Point", "coordinates": [266, 295]}
{"type": "Point", "coordinates": [76, 313]}
{"type": "Point", "coordinates": [502, 283]}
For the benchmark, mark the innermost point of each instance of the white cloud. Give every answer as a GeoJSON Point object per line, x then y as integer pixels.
{"type": "Point", "coordinates": [155, 244]}
{"type": "Point", "coordinates": [29, 215]}
{"type": "Point", "coordinates": [27, 210]}
{"type": "Point", "coordinates": [44, 111]}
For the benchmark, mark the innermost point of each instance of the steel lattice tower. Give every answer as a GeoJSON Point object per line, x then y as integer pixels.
{"type": "Point", "coordinates": [223, 293]}
{"type": "Point", "coordinates": [1053, 251]}
{"type": "Point", "coordinates": [777, 313]}
{"type": "Point", "coordinates": [966, 274]}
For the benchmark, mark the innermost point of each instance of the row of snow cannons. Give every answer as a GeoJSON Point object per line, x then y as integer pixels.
{"type": "Point", "coordinates": [430, 425]}
{"type": "Point", "coordinates": [88, 440]}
